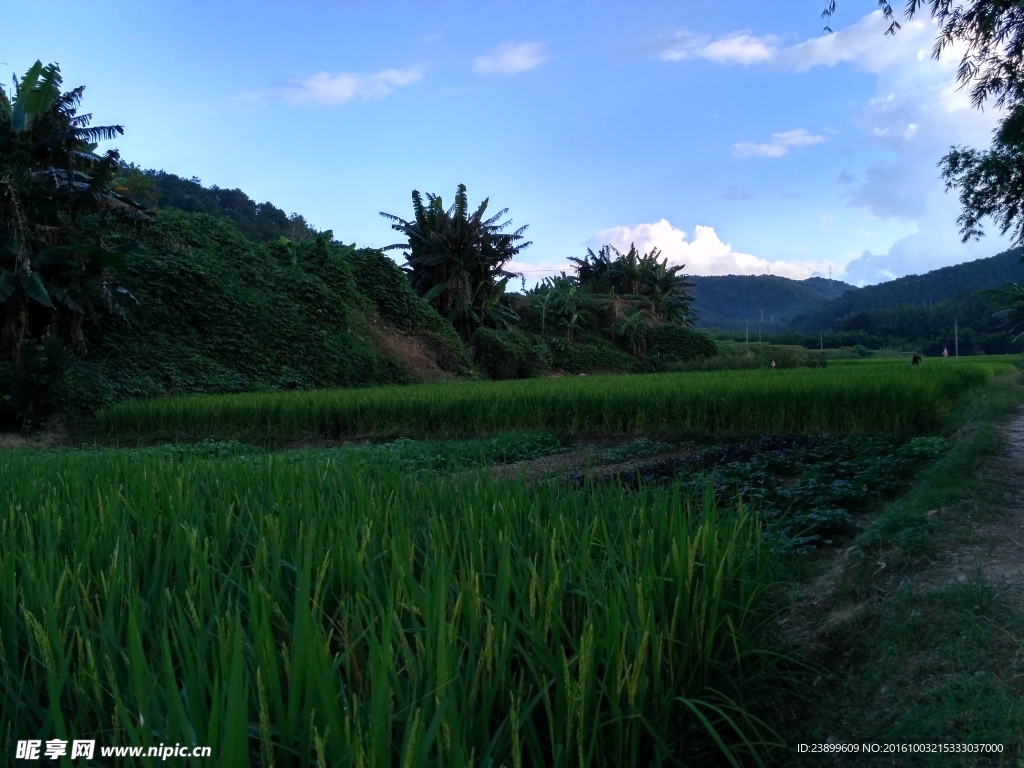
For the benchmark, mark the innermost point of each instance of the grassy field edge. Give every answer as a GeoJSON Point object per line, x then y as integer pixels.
{"type": "Point", "coordinates": [913, 641]}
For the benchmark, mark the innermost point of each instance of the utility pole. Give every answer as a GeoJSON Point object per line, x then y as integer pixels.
{"type": "Point", "coordinates": [956, 338]}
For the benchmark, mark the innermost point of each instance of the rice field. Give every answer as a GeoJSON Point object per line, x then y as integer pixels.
{"type": "Point", "coordinates": [390, 605]}
{"type": "Point", "coordinates": [335, 613]}
{"type": "Point", "coordinates": [892, 396]}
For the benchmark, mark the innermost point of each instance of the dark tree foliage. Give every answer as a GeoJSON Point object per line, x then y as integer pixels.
{"type": "Point", "coordinates": [64, 227]}
{"type": "Point", "coordinates": [634, 274]}
{"type": "Point", "coordinates": [455, 260]}
{"type": "Point", "coordinates": [738, 301]}
{"type": "Point", "coordinates": [1011, 315]}
{"type": "Point", "coordinates": [221, 313]}
{"type": "Point", "coordinates": [990, 182]}
{"type": "Point", "coordinates": [260, 222]}
{"type": "Point", "coordinates": [921, 290]}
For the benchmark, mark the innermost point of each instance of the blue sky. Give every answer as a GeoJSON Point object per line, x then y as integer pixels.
{"type": "Point", "coordinates": [732, 136]}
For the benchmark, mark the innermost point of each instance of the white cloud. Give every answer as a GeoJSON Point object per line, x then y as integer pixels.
{"type": "Point", "coordinates": [331, 89]}
{"type": "Point", "coordinates": [535, 271]}
{"type": "Point", "coordinates": [734, 48]}
{"type": "Point", "coordinates": [780, 144]}
{"type": "Point", "coordinates": [861, 44]}
{"type": "Point", "coordinates": [740, 48]}
{"type": "Point", "coordinates": [917, 113]}
{"type": "Point", "coordinates": [703, 254]}
{"type": "Point", "coordinates": [512, 58]}
{"type": "Point", "coordinates": [935, 244]}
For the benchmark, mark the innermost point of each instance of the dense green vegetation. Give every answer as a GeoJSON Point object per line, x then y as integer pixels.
{"type": "Point", "coordinates": [891, 396]}
{"type": "Point", "coordinates": [736, 302]}
{"type": "Point", "coordinates": [809, 489]}
{"type": "Point", "coordinates": [316, 606]}
{"type": "Point", "coordinates": [260, 222]}
{"type": "Point", "coordinates": [503, 636]}
{"type": "Point", "coordinates": [928, 646]}
{"type": "Point", "coordinates": [665, 288]}
{"type": "Point", "coordinates": [929, 289]}
{"type": "Point", "coordinates": [101, 301]}
{"type": "Point", "coordinates": [338, 614]}
{"type": "Point", "coordinates": [973, 323]}
{"type": "Point", "coordinates": [219, 313]}
{"type": "Point", "coordinates": [456, 260]}
{"type": "Point", "coordinates": [63, 226]}
{"type": "Point", "coordinates": [207, 291]}
{"type": "Point", "coordinates": [627, 314]}
{"type": "Point", "coordinates": [914, 313]}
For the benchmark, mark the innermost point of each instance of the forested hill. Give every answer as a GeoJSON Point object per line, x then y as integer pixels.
{"type": "Point", "coordinates": [260, 222]}
{"type": "Point", "coordinates": [927, 289]}
{"type": "Point", "coordinates": [730, 301]}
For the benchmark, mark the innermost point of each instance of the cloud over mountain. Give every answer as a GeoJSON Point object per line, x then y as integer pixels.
{"type": "Point", "coordinates": [703, 254]}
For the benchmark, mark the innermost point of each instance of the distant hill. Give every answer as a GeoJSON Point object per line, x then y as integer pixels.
{"type": "Point", "coordinates": [930, 288]}
{"type": "Point", "coordinates": [730, 301]}
{"type": "Point", "coordinates": [260, 222]}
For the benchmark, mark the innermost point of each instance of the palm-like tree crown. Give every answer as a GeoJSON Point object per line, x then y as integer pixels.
{"type": "Point", "coordinates": [455, 260]}
{"type": "Point", "coordinates": [60, 213]}
{"type": "Point", "coordinates": [636, 274]}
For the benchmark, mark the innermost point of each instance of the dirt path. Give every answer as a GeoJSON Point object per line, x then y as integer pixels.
{"type": "Point", "coordinates": [998, 545]}
{"type": "Point", "coordinates": [994, 546]}
{"type": "Point", "coordinates": [55, 433]}
{"type": "Point", "coordinates": [582, 454]}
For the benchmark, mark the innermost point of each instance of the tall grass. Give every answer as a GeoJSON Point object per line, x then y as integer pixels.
{"type": "Point", "coordinates": [338, 614]}
{"type": "Point", "coordinates": [889, 396]}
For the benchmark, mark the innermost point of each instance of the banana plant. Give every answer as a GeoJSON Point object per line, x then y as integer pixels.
{"type": "Point", "coordinates": [633, 326]}
{"type": "Point", "coordinates": [456, 259]}
{"type": "Point", "coordinates": [64, 227]}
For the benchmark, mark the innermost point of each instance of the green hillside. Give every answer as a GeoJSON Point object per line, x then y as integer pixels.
{"type": "Point", "coordinates": [210, 310]}
{"type": "Point", "coordinates": [730, 301]}
{"type": "Point", "coordinates": [922, 290]}
{"type": "Point", "coordinates": [262, 222]}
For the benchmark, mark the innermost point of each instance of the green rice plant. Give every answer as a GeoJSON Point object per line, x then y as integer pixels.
{"type": "Point", "coordinates": [337, 613]}
{"type": "Point", "coordinates": [887, 396]}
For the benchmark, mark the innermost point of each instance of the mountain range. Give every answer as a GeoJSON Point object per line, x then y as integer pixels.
{"type": "Point", "coordinates": [737, 302]}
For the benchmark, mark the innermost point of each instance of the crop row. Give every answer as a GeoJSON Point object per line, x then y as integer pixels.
{"type": "Point", "coordinates": [331, 613]}
{"type": "Point", "coordinates": [894, 397]}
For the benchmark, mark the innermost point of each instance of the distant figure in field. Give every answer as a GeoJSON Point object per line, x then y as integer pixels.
{"type": "Point", "coordinates": [773, 365]}
{"type": "Point", "coordinates": [945, 352]}
{"type": "Point", "coordinates": [916, 360]}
